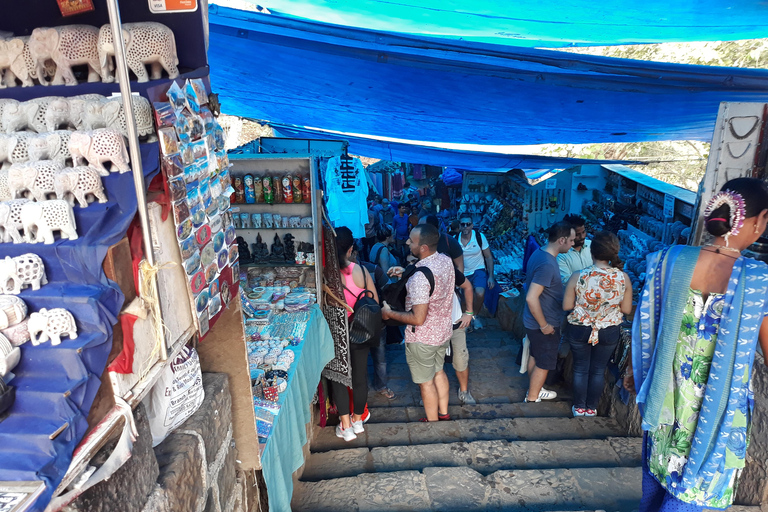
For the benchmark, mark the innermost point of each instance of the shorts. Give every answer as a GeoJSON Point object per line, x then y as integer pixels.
{"type": "Point", "coordinates": [459, 350]}
{"type": "Point", "coordinates": [425, 361]}
{"type": "Point", "coordinates": [478, 278]}
{"type": "Point", "coordinates": [544, 347]}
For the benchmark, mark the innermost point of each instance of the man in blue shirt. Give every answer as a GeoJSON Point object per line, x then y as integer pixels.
{"type": "Point", "coordinates": [401, 225]}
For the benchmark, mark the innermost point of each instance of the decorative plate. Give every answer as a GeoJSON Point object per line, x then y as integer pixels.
{"type": "Point", "coordinates": [229, 235]}
{"type": "Point", "coordinates": [201, 302]}
{"type": "Point", "coordinates": [207, 255]}
{"type": "Point", "coordinates": [223, 258]}
{"type": "Point", "coordinates": [211, 272]}
{"type": "Point", "coordinates": [203, 235]}
{"type": "Point", "coordinates": [218, 241]}
{"type": "Point", "coordinates": [188, 248]}
{"type": "Point", "coordinates": [197, 283]}
{"type": "Point", "coordinates": [184, 230]}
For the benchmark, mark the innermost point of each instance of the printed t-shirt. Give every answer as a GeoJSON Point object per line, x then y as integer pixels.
{"type": "Point", "coordinates": [437, 327]}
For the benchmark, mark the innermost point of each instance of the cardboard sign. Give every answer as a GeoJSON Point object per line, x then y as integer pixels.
{"type": "Point", "coordinates": [72, 7]}
{"type": "Point", "coordinates": [171, 6]}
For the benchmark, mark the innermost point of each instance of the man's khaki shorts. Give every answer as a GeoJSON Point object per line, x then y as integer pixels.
{"type": "Point", "coordinates": [425, 361]}
{"type": "Point", "coordinates": [459, 350]}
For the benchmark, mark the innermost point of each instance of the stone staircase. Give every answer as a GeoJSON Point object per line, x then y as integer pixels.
{"type": "Point", "coordinates": [500, 454]}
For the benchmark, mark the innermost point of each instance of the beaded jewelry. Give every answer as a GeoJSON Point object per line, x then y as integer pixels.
{"type": "Point", "coordinates": [736, 205]}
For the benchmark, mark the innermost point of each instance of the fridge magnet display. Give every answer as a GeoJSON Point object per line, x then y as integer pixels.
{"type": "Point", "coordinates": [201, 303]}
{"type": "Point", "coordinates": [207, 255]}
{"type": "Point", "coordinates": [198, 283]}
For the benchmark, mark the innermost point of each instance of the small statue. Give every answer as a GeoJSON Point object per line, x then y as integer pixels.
{"type": "Point", "coordinates": [242, 249]}
{"type": "Point", "coordinates": [260, 250]}
{"type": "Point", "coordinates": [278, 251]}
{"type": "Point", "coordinates": [290, 249]}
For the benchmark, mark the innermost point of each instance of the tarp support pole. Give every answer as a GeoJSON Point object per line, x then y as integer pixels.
{"type": "Point", "coordinates": [121, 68]}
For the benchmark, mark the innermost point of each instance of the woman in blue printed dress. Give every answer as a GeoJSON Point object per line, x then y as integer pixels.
{"type": "Point", "coordinates": [701, 313]}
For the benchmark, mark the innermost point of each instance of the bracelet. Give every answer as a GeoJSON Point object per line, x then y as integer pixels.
{"type": "Point", "coordinates": [469, 313]}
{"type": "Point", "coordinates": [545, 326]}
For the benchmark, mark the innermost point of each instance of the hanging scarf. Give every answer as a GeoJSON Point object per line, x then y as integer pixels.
{"type": "Point", "coordinates": [339, 368]}
{"type": "Point", "coordinates": [654, 337]}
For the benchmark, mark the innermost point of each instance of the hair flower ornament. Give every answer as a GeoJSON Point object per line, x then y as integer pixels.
{"type": "Point", "coordinates": [737, 211]}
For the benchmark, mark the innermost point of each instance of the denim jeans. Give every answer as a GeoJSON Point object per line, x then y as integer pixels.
{"type": "Point", "coordinates": [379, 356]}
{"type": "Point", "coordinates": [589, 362]}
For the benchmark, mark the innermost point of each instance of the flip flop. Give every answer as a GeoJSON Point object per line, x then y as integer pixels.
{"type": "Point", "coordinates": [388, 393]}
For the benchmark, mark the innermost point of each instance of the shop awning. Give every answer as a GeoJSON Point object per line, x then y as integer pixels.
{"type": "Point", "coordinates": [536, 23]}
{"type": "Point", "coordinates": [477, 161]}
{"type": "Point", "coordinates": [303, 73]}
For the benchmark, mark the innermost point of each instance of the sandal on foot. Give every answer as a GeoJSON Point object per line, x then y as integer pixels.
{"type": "Point", "coordinates": [388, 393]}
{"type": "Point", "coordinates": [443, 417]}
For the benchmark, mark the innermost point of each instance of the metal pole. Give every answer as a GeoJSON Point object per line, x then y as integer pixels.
{"type": "Point", "coordinates": [121, 68]}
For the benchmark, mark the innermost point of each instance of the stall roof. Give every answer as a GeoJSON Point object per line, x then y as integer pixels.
{"type": "Point", "coordinates": [682, 194]}
{"type": "Point", "coordinates": [304, 73]}
{"type": "Point", "coordinates": [536, 23]}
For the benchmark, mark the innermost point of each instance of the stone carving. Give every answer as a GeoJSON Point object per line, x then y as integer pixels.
{"type": "Point", "coordinates": [12, 310]}
{"type": "Point", "coordinates": [5, 191]}
{"type": "Point", "coordinates": [23, 67]}
{"type": "Point", "coordinates": [290, 249]}
{"type": "Point", "coordinates": [17, 334]}
{"type": "Point", "coordinates": [278, 251]}
{"type": "Point", "coordinates": [40, 220]}
{"type": "Point", "coordinates": [260, 250]}
{"type": "Point", "coordinates": [10, 220]}
{"type": "Point", "coordinates": [145, 43]}
{"type": "Point", "coordinates": [99, 146]}
{"type": "Point", "coordinates": [51, 324]}
{"type": "Point", "coordinates": [10, 51]}
{"type": "Point", "coordinates": [78, 183]}
{"type": "Point", "coordinates": [20, 272]}
{"type": "Point", "coordinates": [67, 46]}
{"type": "Point", "coordinates": [35, 177]}
{"type": "Point", "coordinates": [142, 112]}
{"type": "Point", "coordinates": [17, 116]}
{"type": "Point", "coordinates": [48, 146]}
{"type": "Point", "coordinates": [9, 356]}
{"type": "Point", "coordinates": [306, 222]}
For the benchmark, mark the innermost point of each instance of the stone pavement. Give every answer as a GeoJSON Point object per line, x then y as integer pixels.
{"type": "Point", "coordinates": [501, 454]}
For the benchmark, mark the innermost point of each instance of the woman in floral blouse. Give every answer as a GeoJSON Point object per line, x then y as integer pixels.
{"type": "Point", "coordinates": [701, 314]}
{"type": "Point", "coordinates": [597, 296]}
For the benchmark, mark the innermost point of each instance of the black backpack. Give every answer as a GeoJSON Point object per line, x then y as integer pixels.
{"type": "Point", "coordinates": [395, 293]}
{"type": "Point", "coordinates": [380, 279]}
{"type": "Point", "coordinates": [365, 322]}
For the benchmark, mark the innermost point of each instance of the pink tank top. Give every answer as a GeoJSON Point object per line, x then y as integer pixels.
{"type": "Point", "coordinates": [353, 291]}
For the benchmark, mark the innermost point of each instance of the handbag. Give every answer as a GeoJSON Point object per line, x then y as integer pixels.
{"type": "Point", "coordinates": [365, 322]}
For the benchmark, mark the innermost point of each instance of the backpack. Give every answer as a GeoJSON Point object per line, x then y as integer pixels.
{"type": "Point", "coordinates": [395, 293]}
{"type": "Point", "coordinates": [365, 322]}
{"type": "Point", "coordinates": [380, 279]}
{"type": "Point", "coordinates": [375, 260]}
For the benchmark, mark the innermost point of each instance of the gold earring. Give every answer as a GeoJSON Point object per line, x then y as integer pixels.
{"type": "Point", "coordinates": [757, 229]}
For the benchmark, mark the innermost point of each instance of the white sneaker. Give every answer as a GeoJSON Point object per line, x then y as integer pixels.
{"type": "Point", "coordinates": [357, 427]}
{"type": "Point", "coordinates": [544, 394]}
{"type": "Point", "coordinates": [346, 434]}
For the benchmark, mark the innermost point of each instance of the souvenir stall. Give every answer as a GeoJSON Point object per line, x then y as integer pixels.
{"type": "Point", "coordinates": [68, 192]}
{"type": "Point", "coordinates": [275, 214]}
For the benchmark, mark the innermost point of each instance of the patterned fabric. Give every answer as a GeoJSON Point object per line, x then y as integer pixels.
{"type": "Point", "coordinates": [338, 370]}
{"type": "Point", "coordinates": [599, 292]}
{"type": "Point", "coordinates": [438, 327]}
{"type": "Point", "coordinates": [698, 434]}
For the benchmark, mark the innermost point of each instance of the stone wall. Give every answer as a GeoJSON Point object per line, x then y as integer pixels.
{"type": "Point", "coordinates": [192, 470]}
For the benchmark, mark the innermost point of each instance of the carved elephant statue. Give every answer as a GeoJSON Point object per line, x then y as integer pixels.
{"type": "Point", "coordinates": [49, 146]}
{"type": "Point", "coordinates": [23, 68]}
{"type": "Point", "coordinates": [7, 144]}
{"type": "Point", "coordinates": [79, 182]}
{"type": "Point", "coordinates": [41, 219]}
{"type": "Point", "coordinates": [10, 51]}
{"type": "Point", "coordinates": [18, 116]}
{"type": "Point", "coordinates": [145, 43]}
{"type": "Point", "coordinates": [20, 272]}
{"type": "Point", "coordinates": [51, 324]}
{"type": "Point", "coordinates": [142, 112]}
{"type": "Point", "coordinates": [10, 220]}
{"type": "Point", "coordinates": [5, 190]}
{"type": "Point", "coordinates": [9, 356]}
{"type": "Point", "coordinates": [93, 114]}
{"type": "Point", "coordinates": [67, 46]}
{"type": "Point", "coordinates": [99, 146]}
{"type": "Point", "coordinates": [35, 177]}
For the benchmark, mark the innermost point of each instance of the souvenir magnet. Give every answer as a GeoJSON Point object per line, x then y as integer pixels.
{"type": "Point", "coordinates": [215, 306]}
{"type": "Point", "coordinates": [211, 272]}
{"type": "Point", "coordinates": [177, 189]}
{"type": "Point", "coordinates": [172, 165]}
{"type": "Point", "coordinates": [226, 295]}
{"type": "Point", "coordinates": [218, 241]}
{"type": "Point", "coordinates": [180, 211]}
{"type": "Point", "coordinates": [184, 230]}
{"type": "Point", "coordinates": [207, 255]}
{"type": "Point", "coordinates": [213, 289]}
{"type": "Point", "coordinates": [233, 254]}
{"type": "Point", "coordinates": [198, 218]}
{"type": "Point", "coordinates": [188, 248]}
{"type": "Point", "coordinates": [197, 283]}
{"type": "Point", "coordinates": [223, 258]}
{"type": "Point", "coordinates": [216, 223]}
{"type": "Point", "coordinates": [204, 322]}
{"type": "Point", "coordinates": [203, 235]}
{"type": "Point", "coordinates": [201, 302]}
{"type": "Point", "coordinates": [229, 235]}
{"type": "Point", "coordinates": [192, 264]}
{"type": "Point", "coordinates": [212, 209]}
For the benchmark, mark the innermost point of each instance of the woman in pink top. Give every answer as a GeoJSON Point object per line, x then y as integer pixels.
{"type": "Point", "coordinates": [356, 279]}
{"type": "Point", "coordinates": [597, 297]}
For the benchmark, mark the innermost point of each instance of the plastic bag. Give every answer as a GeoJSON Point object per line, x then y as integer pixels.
{"type": "Point", "coordinates": [176, 396]}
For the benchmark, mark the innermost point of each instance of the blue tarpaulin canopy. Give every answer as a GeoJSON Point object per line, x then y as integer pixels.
{"type": "Point", "coordinates": [537, 23]}
{"type": "Point", "coordinates": [304, 73]}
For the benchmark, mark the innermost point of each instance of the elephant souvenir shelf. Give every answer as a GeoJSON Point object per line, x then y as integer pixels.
{"type": "Point", "coordinates": [27, 59]}
{"type": "Point", "coordinates": [51, 324]}
{"type": "Point", "coordinates": [20, 272]}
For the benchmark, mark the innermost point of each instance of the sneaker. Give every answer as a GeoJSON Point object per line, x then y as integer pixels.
{"type": "Point", "coordinates": [366, 415]}
{"type": "Point", "coordinates": [346, 434]}
{"type": "Point", "coordinates": [578, 411]}
{"type": "Point", "coordinates": [466, 398]}
{"type": "Point", "coordinates": [544, 394]}
{"type": "Point", "coordinates": [357, 427]}
{"type": "Point", "coordinates": [590, 413]}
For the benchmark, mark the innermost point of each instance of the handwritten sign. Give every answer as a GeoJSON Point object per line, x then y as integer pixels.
{"type": "Point", "coordinates": [172, 6]}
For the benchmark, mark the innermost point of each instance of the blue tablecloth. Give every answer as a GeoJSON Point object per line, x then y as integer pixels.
{"type": "Point", "coordinates": [283, 454]}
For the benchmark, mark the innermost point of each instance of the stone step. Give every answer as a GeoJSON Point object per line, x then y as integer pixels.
{"type": "Point", "coordinates": [462, 488]}
{"type": "Point", "coordinates": [484, 457]}
{"type": "Point", "coordinates": [551, 409]}
{"type": "Point", "coordinates": [516, 429]}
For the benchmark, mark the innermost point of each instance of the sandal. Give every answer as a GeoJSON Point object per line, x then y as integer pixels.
{"type": "Point", "coordinates": [388, 393]}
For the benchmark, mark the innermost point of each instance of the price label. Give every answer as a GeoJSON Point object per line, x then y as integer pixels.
{"type": "Point", "coordinates": [551, 184]}
{"type": "Point", "coordinates": [172, 6]}
{"type": "Point", "coordinates": [669, 205]}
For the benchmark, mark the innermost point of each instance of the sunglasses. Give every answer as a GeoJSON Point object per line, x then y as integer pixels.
{"type": "Point", "coordinates": [465, 224]}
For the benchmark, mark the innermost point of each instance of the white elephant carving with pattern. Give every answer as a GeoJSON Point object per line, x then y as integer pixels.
{"type": "Point", "coordinates": [10, 220]}
{"type": "Point", "coordinates": [22, 271]}
{"type": "Point", "coordinates": [99, 146]}
{"type": "Point", "coordinates": [145, 43]}
{"type": "Point", "coordinates": [35, 177]}
{"type": "Point", "coordinates": [41, 219]}
{"type": "Point", "coordinates": [67, 46]}
{"type": "Point", "coordinates": [79, 182]}
{"type": "Point", "coordinates": [51, 324]}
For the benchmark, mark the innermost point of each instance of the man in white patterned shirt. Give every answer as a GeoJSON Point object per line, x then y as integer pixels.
{"type": "Point", "coordinates": [428, 321]}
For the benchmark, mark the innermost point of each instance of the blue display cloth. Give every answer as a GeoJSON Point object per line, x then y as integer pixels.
{"type": "Point", "coordinates": [56, 385]}
{"type": "Point", "coordinates": [477, 161]}
{"type": "Point", "coordinates": [379, 84]}
{"type": "Point", "coordinates": [535, 23]}
{"type": "Point", "coordinates": [284, 454]}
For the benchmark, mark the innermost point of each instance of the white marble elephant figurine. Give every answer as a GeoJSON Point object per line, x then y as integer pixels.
{"type": "Point", "coordinates": [5, 190]}
{"type": "Point", "coordinates": [18, 116]}
{"type": "Point", "coordinates": [35, 177]}
{"type": "Point", "coordinates": [10, 220]}
{"type": "Point", "coordinates": [41, 219]}
{"type": "Point", "coordinates": [145, 43]}
{"type": "Point", "coordinates": [98, 146]}
{"type": "Point", "coordinates": [23, 68]}
{"type": "Point", "coordinates": [10, 51]}
{"type": "Point", "coordinates": [49, 146]}
{"type": "Point", "coordinates": [79, 182]}
{"type": "Point", "coordinates": [92, 114]}
{"type": "Point", "coordinates": [51, 324]}
{"type": "Point", "coordinates": [20, 272]}
{"type": "Point", "coordinates": [142, 112]}
{"type": "Point", "coordinates": [67, 46]}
